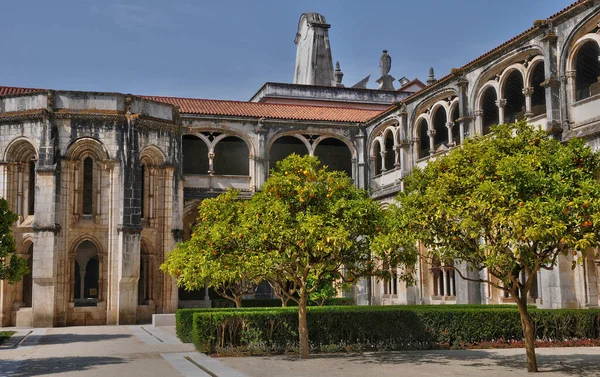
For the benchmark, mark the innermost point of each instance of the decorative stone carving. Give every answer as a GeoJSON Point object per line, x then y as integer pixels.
{"type": "Point", "coordinates": [51, 102]}
{"type": "Point", "coordinates": [431, 133]}
{"type": "Point", "coordinates": [501, 102]}
{"type": "Point", "coordinates": [528, 91]}
{"type": "Point", "coordinates": [431, 79]}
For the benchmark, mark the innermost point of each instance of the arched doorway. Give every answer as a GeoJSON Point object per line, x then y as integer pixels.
{"type": "Point", "coordinates": [86, 283]}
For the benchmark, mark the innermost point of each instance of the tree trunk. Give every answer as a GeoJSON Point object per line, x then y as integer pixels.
{"type": "Point", "coordinates": [529, 334]}
{"type": "Point", "coordinates": [238, 301]}
{"type": "Point", "coordinates": [303, 326]}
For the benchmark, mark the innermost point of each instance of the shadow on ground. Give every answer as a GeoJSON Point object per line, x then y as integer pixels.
{"type": "Point", "coordinates": [48, 339]}
{"type": "Point", "coordinates": [572, 364]}
{"type": "Point", "coordinates": [53, 365]}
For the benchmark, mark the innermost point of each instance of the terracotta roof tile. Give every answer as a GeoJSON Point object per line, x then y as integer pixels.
{"type": "Point", "coordinates": [267, 110]}
{"type": "Point", "coordinates": [9, 90]}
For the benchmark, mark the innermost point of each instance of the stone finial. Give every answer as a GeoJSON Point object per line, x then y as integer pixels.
{"type": "Point", "coordinates": [385, 63]}
{"type": "Point", "coordinates": [431, 80]}
{"type": "Point", "coordinates": [338, 74]}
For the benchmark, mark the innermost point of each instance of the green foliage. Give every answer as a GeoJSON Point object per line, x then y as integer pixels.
{"type": "Point", "coordinates": [12, 267]}
{"type": "Point", "coordinates": [382, 328]}
{"type": "Point", "coordinates": [529, 197]}
{"type": "Point", "coordinates": [5, 335]}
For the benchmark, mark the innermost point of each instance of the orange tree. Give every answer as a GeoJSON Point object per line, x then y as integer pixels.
{"type": "Point", "coordinates": [314, 227]}
{"type": "Point", "coordinates": [510, 203]}
{"type": "Point", "coordinates": [12, 267]}
{"type": "Point", "coordinates": [217, 255]}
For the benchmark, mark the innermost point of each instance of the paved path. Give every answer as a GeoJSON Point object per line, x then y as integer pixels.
{"type": "Point", "coordinates": [111, 351]}
{"type": "Point", "coordinates": [148, 351]}
{"type": "Point", "coordinates": [584, 362]}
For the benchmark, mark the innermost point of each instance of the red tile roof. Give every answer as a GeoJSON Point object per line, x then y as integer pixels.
{"type": "Point", "coordinates": [267, 110]}
{"type": "Point", "coordinates": [9, 90]}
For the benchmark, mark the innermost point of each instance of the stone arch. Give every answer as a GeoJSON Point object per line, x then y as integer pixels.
{"type": "Point", "coordinates": [152, 155]}
{"type": "Point", "coordinates": [195, 149]}
{"type": "Point", "coordinates": [512, 87]}
{"type": "Point", "coordinates": [488, 108]}
{"type": "Point", "coordinates": [453, 116]}
{"type": "Point", "coordinates": [21, 155]}
{"type": "Point", "coordinates": [439, 119]}
{"type": "Point", "coordinates": [536, 75]}
{"type": "Point", "coordinates": [231, 155]}
{"type": "Point", "coordinates": [190, 218]}
{"type": "Point", "coordinates": [421, 130]}
{"type": "Point", "coordinates": [20, 150]}
{"type": "Point", "coordinates": [334, 153]}
{"type": "Point", "coordinates": [583, 63]}
{"type": "Point", "coordinates": [146, 273]}
{"type": "Point", "coordinates": [87, 271]}
{"type": "Point", "coordinates": [508, 71]}
{"type": "Point", "coordinates": [285, 144]}
{"type": "Point", "coordinates": [79, 148]}
{"type": "Point", "coordinates": [26, 251]}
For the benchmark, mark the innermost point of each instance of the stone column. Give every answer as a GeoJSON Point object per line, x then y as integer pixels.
{"type": "Point", "coordinates": [415, 150]}
{"type": "Point", "coordinates": [449, 126]}
{"type": "Point", "coordinates": [397, 157]}
{"type": "Point", "coordinates": [478, 121]}
{"type": "Point", "coordinates": [383, 167]}
{"type": "Point", "coordinates": [463, 107]}
{"type": "Point", "coordinates": [431, 134]}
{"type": "Point", "coordinates": [173, 230]}
{"type": "Point", "coordinates": [362, 172]}
{"type": "Point", "coordinates": [261, 159]}
{"type": "Point", "coordinates": [404, 148]}
{"type": "Point", "coordinates": [571, 86]}
{"type": "Point", "coordinates": [445, 279]}
{"type": "Point", "coordinates": [467, 292]}
{"type": "Point", "coordinates": [211, 158]}
{"type": "Point", "coordinates": [501, 103]}
{"type": "Point", "coordinates": [528, 92]}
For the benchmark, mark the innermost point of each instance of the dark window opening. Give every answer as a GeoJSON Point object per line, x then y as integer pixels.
{"type": "Point", "coordinates": [538, 97]}
{"type": "Point", "coordinates": [441, 131]}
{"type": "Point", "coordinates": [88, 185]}
{"type": "Point", "coordinates": [456, 126]}
{"type": "Point", "coordinates": [335, 154]}
{"type": "Point", "coordinates": [423, 139]}
{"type": "Point", "coordinates": [195, 155]}
{"type": "Point", "coordinates": [144, 280]}
{"type": "Point", "coordinates": [231, 157]}
{"type": "Point", "coordinates": [31, 188]}
{"type": "Point", "coordinates": [28, 281]}
{"type": "Point", "coordinates": [588, 71]}
{"type": "Point", "coordinates": [390, 155]}
{"type": "Point", "coordinates": [378, 164]}
{"type": "Point", "coordinates": [86, 288]}
{"type": "Point", "coordinates": [514, 109]}
{"type": "Point", "coordinates": [285, 146]}
{"type": "Point", "coordinates": [490, 110]}
{"type": "Point", "coordinates": [143, 191]}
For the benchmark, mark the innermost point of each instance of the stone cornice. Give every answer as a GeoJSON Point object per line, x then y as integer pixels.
{"type": "Point", "coordinates": [129, 228]}
{"type": "Point", "coordinates": [54, 228]}
{"type": "Point", "coordinates": [19, 116]}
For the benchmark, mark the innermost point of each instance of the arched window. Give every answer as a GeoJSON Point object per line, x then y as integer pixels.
{"type": "Point", "coordinates": [491, 115]}
{"type": "Point", "coordinates": [145, 280]}
{"type": "Point", "coordinates": [441, 131]}
{"type": "Point", "coordinates": [390, 154]}
{"type": "Point", "coordinates": [377, 156]}
{"type": "Point", "coordinates": [86, 273]}
{"type": "Point", "coordinates": [515, 99]}
{"type": "Point", "coordinates": [231, 157]}
{"type": "Point", "coordinates": [27, 295]}
{"type": "Point", "coordinates": [285, 146]}
{"type": "Point", "coordinates": [456, 125]}
{"type": "Point", "coordinates": [335, 154]}
{"type": "Point", "coordinates": [143, 192]}
{"type": "Point", "coordinates": [195, 155]}
{"type": "Point", "coordinates": [538, 97]}
{"type": "Point", "coordinates": [31, 196]}
{"type": "Point", "coordinates": [20, 178]}
{"type": "Point", "coordinates": [588, 71]}
{"type": "Point", "coordinates": [423, 138]}
{"type": "Point", "coordinates": [88, 186]}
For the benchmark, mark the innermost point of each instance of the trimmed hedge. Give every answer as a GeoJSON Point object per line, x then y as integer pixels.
{"type": "Point", "coordinates": [276, 303]}
{"type": "Point", "coordinates": [381, 328]}
{"type": "Point", "coordinates": [184, 317]}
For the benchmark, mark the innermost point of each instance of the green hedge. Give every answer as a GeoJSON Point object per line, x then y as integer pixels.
{"type": "Point", "coordinates": [276, 303]}
{"type": "Point", "coordinates": [381, 328]}
{"type": "Point", "coordinates": [184, 317]}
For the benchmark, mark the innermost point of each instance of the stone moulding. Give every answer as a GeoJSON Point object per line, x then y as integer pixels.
{"type": "Point", "coordinates": [129, 228]}
{"type": "Point", "coordinates": [54, 228]}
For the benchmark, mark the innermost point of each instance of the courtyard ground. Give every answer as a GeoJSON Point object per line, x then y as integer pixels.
{"type": "Point", "coordinates": [148, 351]}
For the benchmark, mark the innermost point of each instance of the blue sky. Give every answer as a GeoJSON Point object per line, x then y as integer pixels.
{"type": "Point", "coordinates": [226, 49]}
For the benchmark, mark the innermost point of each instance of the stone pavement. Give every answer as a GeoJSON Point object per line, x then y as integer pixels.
{"type": "Point", "coordinates": [105, 351]}
{"type": "Point", "coordinates": [552, 362]}
{"type": "Point", "coordinates": [155, 351]}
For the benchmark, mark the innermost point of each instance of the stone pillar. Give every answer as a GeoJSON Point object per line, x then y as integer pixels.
{"type": "Point", "coordinates": [431, 134]}
{"type": "Point", "coordinates": [449, 126]}
{"type": "Point", "coordinates": [478, 121]}
{"type": "Point", "coordinates": [552, 83]}
{"type": "Point", "coordinates": [362, 173]}
{"type": "Point", "coordinates": [173, 230]}
{"type": "Point", "coordinates": [463, 107]}
{"type": "Point", "coordinates": [128, 273]}
{"type": "Point", "coordinates": [467, 292]}
{"type": "Point", "coordinates": [571, 86]}
{"type": "Point", "coordinates": [382, 155]}
{"type": "Point", "coordinates": [558, 285]}
{"type": "Point", "coordinates": [528, 92]}
{"type": "Point", "coordinates": [445, 278]}
{"type": "Point", "coordinates": [261, 159]}
{"type": "Point", "coordinates": [397, 163]}
{"type": "Point", "coordinates": [501, 103]}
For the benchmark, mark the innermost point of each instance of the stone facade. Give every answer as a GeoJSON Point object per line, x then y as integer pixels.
{"type": "Point", "coordinates": [105, 184]}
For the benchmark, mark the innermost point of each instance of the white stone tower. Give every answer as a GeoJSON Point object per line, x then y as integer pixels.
{"type": "Point", "coordinates": [314, 65]}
